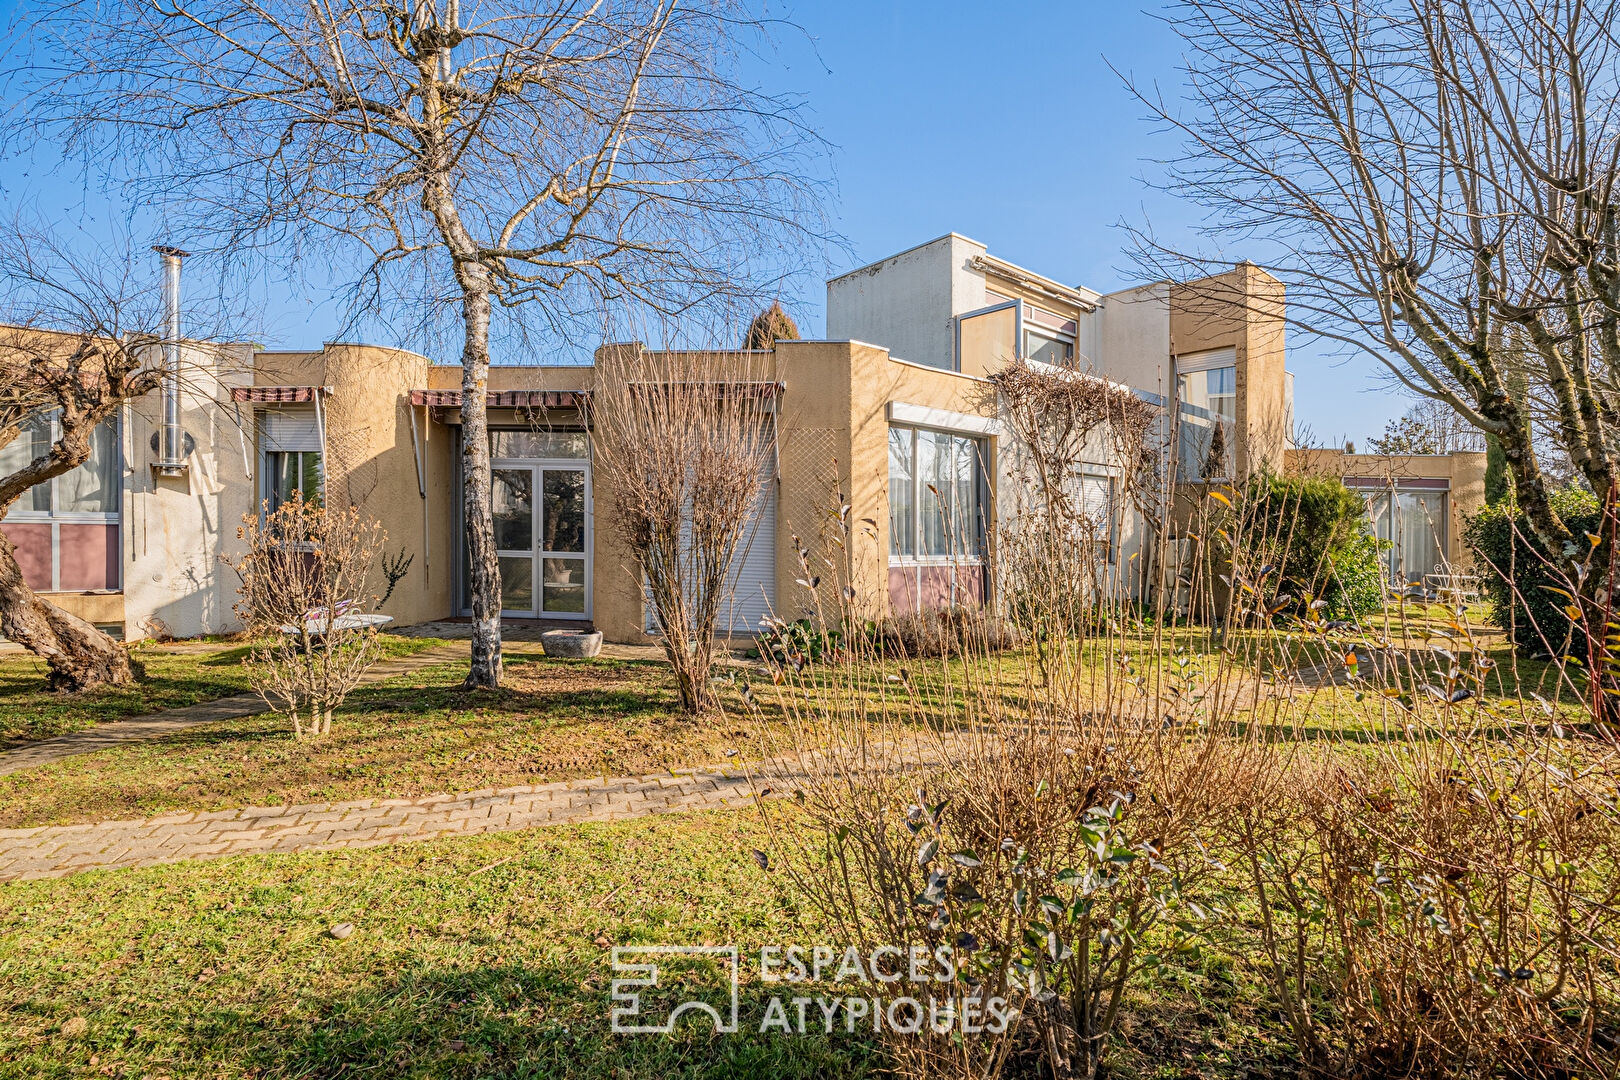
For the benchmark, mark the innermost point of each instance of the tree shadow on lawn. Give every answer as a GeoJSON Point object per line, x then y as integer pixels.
{"type": "Point", "coordinates": [557, 721]}
{"type": "Point", "coordinates": [513, 1020]}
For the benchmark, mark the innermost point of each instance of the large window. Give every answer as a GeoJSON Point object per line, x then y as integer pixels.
{"type": "Point", "coordinates": [935, 495]}
{"type": "Point", "coordinates": [1214, 391]}
{"type": "Point", "coordinates": [1206, 388]}
{"type": "Point", "coordinates": [65, 531]}
{"type": "Point", "coordinates": [1410, 518]}
{"type": "Point", "coordinates": [93, 488]}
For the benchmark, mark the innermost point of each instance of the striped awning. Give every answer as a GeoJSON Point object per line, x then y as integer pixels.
{"type": "Point", "coordinates": [279, 394]}
{"type": "Point", "coordinates": [506, 399]}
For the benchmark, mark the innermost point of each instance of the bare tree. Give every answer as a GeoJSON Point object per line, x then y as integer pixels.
{"type": "Point", "coordinates": [687, 439]}
{"type": "Point", "coordinates": [1434, 184]}
{"type": "Point", "coordinates": [538, 158]}
{"type": "Point", "coordinates": [1428, 427]}
{"type": "Point", "coordinates": [80, 340]}
{"type": "Point", "coordinates": [308, 576]}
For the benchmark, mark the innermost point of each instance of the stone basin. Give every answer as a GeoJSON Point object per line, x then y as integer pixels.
{"type": "Point", "coordinates": [572, 644]}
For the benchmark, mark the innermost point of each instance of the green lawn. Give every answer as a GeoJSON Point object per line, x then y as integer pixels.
{"type": "Point", "coordinates": [482, 956]}
{"type": "Point", "coordinates": [558, 719]}
{"type": "Point", "coordinates": [412, 736]}
{"type": "Point", "coordinates": [472, 957]}
{"type": "Point", "coordinates": [476, 957]}
{"type": "Point", "coordinates": [176, 675]}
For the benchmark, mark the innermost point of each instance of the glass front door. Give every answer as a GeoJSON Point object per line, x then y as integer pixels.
{"type": "Point", "coordinates": [541, 536]}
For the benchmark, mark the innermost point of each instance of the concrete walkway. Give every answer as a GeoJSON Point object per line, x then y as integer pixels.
{"type": "Point", "coordinates": [58, 850]}
{"type": "Point", "coordinates": [234, 707]}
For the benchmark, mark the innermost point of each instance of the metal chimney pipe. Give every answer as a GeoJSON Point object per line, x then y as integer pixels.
{"type": "Point", "coordinates": [171, 461]}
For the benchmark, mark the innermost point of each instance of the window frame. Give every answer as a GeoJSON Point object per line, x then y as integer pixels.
{"type": "Point", "coordinates": [101, 517]}
{"type": "Point", "coordinates": [267, 472]}
{"type": "Point", "coordinates": [914, 556]}
{"type": "Point", "coordinates": [1054, 336]}
{"type": "Point", "coordinates": [1204, 363]}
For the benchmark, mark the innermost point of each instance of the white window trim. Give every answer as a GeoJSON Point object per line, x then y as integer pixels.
{"type": "Point", "coordinates": [954, 423]}
{"type": "Point", "coordinates": [985, 496]}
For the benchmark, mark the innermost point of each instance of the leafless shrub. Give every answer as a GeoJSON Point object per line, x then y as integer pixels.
{"type": "Point", "coordinates": [1441, 906]}
{"type": "Point", "coordinates": [687, 439]}
{"type": "Point", "coordinates": [1053, 548]}
{"type": "Point", "coordinates": [1428, 888]}
{"type": "Point", "coordinates": [956, 631]}
{"type": "Point", "coordinates": [306, 582]}
{"type": "Point", "coordinates": [1048, 833]}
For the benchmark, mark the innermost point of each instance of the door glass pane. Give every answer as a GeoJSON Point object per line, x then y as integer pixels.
{"type": "Point", "coordinates": [517, 583]}
{"type": "Point", "coordinates": [1422, 516]}
{"type": "Point", "coordinates": [564, 585]}
{"type": "Point", "coordinates": [309, 476]}
{"type": "Point", "coordinates": [513, 491]}
{"type": "Point", "coordinates": [964, 495]}
{"type": "Point", "coordinates": [933, 490]}
{"type": "Point", "coordinates": [564, 527]}
{"type": "Point", "coordinates": [1378, 514]}
{"type": "Point", "coordinates": [537, 444]}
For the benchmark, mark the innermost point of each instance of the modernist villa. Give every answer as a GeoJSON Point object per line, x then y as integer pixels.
{"type": "Point", "coordinates": [889, 411]}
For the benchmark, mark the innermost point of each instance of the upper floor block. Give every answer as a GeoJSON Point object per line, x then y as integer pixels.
{"type": "Point", "coordinates": [1213, 347]}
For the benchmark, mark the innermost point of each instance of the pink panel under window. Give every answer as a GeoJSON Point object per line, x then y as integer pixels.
{"type": "Point", "coordinates": [969, 586]}
{"type": "Point", "coordinates": [934, 587]}
{"type": "Point", "coordinates": [930, 588]}
{"type": "Point", "coordinates": [89, 557]}
{"type": "Point", "coordinates": [902, 589]}
{"type": "Point", "coordinates": [33, 544]}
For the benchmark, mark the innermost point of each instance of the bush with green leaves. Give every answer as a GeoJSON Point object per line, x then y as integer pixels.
{"type": "Point", "coordinates": [1527, 595]}
{"type": "Point", "coordinates": [796, 644]}
{"type": "Point", "coordinates": [1358, 575]}
{"type": "Point", "coordinates": [1313, 531]}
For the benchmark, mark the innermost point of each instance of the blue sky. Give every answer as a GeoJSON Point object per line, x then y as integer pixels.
{"type": "Point", "coordinates": [1002, 122]}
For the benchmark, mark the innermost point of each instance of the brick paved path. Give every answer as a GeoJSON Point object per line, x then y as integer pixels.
{"type": "Point", "coordinates": [57, 850]}
{"type": "Point", "coordinates": [102, 736]}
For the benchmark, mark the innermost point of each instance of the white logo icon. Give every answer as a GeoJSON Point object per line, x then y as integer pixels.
{"type": "Point", "coordinates": [634, 974]}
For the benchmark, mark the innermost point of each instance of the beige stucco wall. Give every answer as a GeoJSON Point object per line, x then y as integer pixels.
{"type": "Point", "coordinates": [1464, 471]}
{"type": "Point", "coordinates": [371, 461]}
{"type": "Point", "coordinates": [832, 444]}
{"type": "Point", "coordinates": [832, 433]}
{"type": "Point", "coordinates": [1242, 309]}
